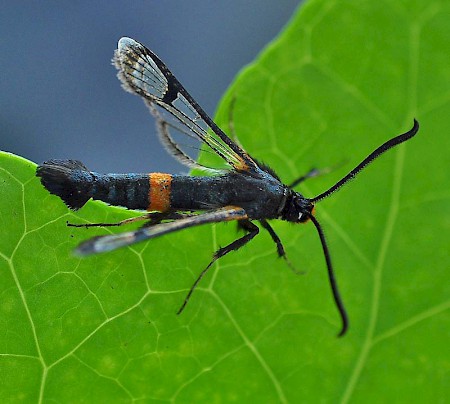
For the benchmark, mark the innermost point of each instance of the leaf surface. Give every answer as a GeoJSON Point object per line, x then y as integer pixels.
{"type": "Point", "coordinates": [340, 80]}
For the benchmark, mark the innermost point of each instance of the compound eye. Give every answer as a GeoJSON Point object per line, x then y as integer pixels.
{"type": "Point", "coordinates": [303, 217]}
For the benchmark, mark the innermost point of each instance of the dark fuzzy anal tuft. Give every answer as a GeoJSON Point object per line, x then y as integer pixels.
{"type": "Point", "coordinates": [68, 179]}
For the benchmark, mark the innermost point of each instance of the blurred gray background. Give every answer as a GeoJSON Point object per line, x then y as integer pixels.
{"type": "Point", "coordinates": [60, 97]}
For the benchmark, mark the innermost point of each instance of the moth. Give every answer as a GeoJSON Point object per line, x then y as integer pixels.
{"type": "Point", "coordinates": [245, 190]}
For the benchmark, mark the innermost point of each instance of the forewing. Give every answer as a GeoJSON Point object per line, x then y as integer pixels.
{"type": "Point", "coordinates": [112, 242]}
{"type": "Point", "coordinates": [177, 113]}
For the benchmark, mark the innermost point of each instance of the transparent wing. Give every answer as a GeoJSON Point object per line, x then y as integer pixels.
{"type": "Point", "coordinates": [178, 115]}
{"type": "Point", "coordinates": [111, 242]}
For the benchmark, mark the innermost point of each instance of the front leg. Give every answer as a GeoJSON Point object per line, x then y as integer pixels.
{"type": "Point", "coordinates": [280, 248]}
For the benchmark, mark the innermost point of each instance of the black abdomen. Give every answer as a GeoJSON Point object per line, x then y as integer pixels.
{"type": "Point", "coordinates": [261, 197]}
{"type": "Point", "coordinates": [75, 185]}
{"type": "Point", "coordinates": [128, 190]}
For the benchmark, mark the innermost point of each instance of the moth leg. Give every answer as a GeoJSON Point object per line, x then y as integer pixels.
{"type": "Point", "coordinates": [280, 248]}
{"type": "Point", "coordinates": [111, 242]}
{"type": "Point", "coordinates": [315, 172]}
{"type": "Point", "coordinates": [252, 229]}
{"type": "Point", "coordinates": [159, 217]}
{"type": "Point", "coordinates": [231, 127]}
{"type": "Point", "coordinates": [152, 217]}
{"type": "Point", "coordinates": [147, 216]}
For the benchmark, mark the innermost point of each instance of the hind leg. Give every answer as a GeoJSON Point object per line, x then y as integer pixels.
{"type": "Point", "coordinates": [152, 217]}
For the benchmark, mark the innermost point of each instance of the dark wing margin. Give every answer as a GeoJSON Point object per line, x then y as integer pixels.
{"type": "Point", "coordinates": [143, 73]}
{"type": "Point", "coordinates": [112, 242]}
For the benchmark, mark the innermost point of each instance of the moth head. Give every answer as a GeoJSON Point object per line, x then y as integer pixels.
{"type": "Point", "coordinates": [298, 209]}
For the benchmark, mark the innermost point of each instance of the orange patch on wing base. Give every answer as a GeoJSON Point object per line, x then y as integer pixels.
{"type": "Point", "coordinates": [159, 193]}
{"type": "Point", "coordinates": [242, 165]}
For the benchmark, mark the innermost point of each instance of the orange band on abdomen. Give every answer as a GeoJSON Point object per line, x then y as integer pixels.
{"type": "Point", "coordinates": [159, 193]}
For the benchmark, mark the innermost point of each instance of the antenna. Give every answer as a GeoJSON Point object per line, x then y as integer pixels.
{"type": "Point", "coordinates": [332, 279]}
{"type": "Point", "coordinates": [372, 156]}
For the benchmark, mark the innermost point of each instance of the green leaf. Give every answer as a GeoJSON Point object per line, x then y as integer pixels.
{"type": "Point", "coordinates": [339, 81]}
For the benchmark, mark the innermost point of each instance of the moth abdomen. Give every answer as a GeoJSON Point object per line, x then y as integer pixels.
{"type": "Point", "coordinates": [68, 179]}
